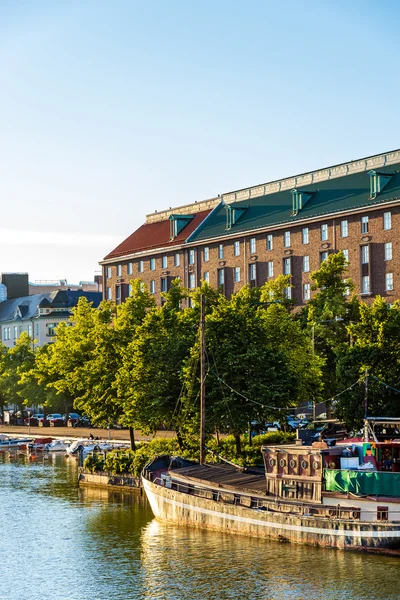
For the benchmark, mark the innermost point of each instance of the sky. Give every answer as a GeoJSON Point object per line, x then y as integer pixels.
{"type": "Point", "coordinates": [110, 110]}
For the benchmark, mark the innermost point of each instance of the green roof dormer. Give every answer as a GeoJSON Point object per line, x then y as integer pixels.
{"type": "Point", "coordinates": [177, 223]}
{"type": "Point", "coordinates": [233, 214]}
{"type": "Point", "coordinates": [299, 200]}
{"type": "Point", "coordinates": [377, 182]}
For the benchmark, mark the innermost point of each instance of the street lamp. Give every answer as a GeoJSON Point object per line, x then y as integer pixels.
{"type": "Point", "coordinates": [335, 320]}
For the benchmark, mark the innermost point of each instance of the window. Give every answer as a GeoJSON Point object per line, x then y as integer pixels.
{"type": "Point", "coordinates": [270, 241]}
{"type": "Point", "coordinates": [253, 272]}
{"type": "Point", "coordinates": [192, 281]}
{"type": "Point", "coordinates": [253, 246]}
{"type": "Point", "coordinates": [344, 229]}
{"type": "Point", "coordinates": [364, 224]}
{"type": "Point", "coordinates": [388, 282]}
{"type": "Point", "coordinates": [191, 257]}
{"type": "Point", "coordinates": [286, 266]}
{"type": "Point", "coordinates": [164, 262]}
{"type": "Point", "coordinates": [324, 232]}
{"type": "Point", "coordinates": [236, 274]}
{"type": "Point", "coordinates": [236, 249]}
{"type": "Point", "coordinates": [206, 254]}
{"type": "Point", "coordinates": [221, 252]}
{"type": "Point", "coordinates": [306, 264]}
{"type": "Point", "coordinates": [119, 270]}
{"type": "Point", "coordinates": [270, 268]}
{"type": "Point", "coordinates": [130, 268]}
{"type": "Point", "coordinates": [51, 329]}
{"type": "Point", "coordinates": [152, 264]}
{"type": "Point", "coordinates": [163, 284]}
{"type": "Point", "coordinates": [221, 277]}
{"type": "Point", "coordinates": [15, 332]}
{"type": "Point", "coordinates": [30, 330]}
{"type": "Point", "coordinates": [177, 260]}
{"type": "Point", "coordinates": [365, 284]}
{"type": "Point", "coordinates": [286, 239]}
{"type": "Point", "coordinates": [108, 294]}
{"type": "Point", "coordinates": [6, 333]}
{"type": "Point", "coordinates": [141, 265]}
{"type": "Point", "coordinates": [388, 251]}
{"type": "Point", "coordinates": [323, 256]}
{"type": "Point", "coordinates": [108, 272]}
{"type": "Point", "coordinates": [346, 254]}
{"type": "Point", "coordinates": [382, 513]}
{"type": "Point", "coordinates": [152, 287]}
{"type": "Point", "coordinates": [288, 293]}
{"type": "Point", "coordinates": [118, 293]}
{"type": "Point", "coordinates": [306, 291]}
{"type": "Point", "coordinates": [37, 329]}
{"type": "Point", "coordinates": [304, 235]}
{"type": "Point", "coordinates": [206, 276]}
{"type": "Point", "coordinates": [387, 220]}
{"type": "Point", "coordinates": [365, 255]}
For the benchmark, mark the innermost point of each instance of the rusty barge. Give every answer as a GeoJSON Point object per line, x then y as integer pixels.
{"type": "Point", "coordinates": [308, 495]}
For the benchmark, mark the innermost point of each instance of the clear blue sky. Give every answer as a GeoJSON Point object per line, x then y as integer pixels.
{"type": "Point", "coordinates": [112, 109]}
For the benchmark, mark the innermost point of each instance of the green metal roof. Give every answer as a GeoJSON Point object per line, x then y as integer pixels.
{"type": "Point", "coordinates": [331, 196]}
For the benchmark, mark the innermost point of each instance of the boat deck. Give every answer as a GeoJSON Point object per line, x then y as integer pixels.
{"type": "Point", "coordinates": [251, 480]}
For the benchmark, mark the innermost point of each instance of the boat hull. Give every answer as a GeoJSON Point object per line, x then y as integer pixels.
{"type": "Point", "coordinates": [193, 511]}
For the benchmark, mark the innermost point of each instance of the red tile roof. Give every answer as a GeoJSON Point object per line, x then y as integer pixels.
{"type": "Point", "coordinates": [155, 235]}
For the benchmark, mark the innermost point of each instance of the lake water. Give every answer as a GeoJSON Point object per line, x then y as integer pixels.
{"type": "Point", "coordinates": [59, 542]}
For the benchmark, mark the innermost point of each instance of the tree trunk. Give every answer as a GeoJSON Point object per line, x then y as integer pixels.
{"type": "Point", "coordinates": [132, 438]}
{"type": "Point", "coordinates": [250, 438]}
{"type": "Point", "coordinates": [180, 440]}
{"type": "Point", "coordinates": [238, 445]}
{"type": "Point", "coordinates": [217, 435]}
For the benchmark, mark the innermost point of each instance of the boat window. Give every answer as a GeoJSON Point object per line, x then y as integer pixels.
{"type": "Point", "coordinates": [382, 513]}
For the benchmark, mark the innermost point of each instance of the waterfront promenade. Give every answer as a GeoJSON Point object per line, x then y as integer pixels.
{"type": "Point", "coordinates": [81, 432]}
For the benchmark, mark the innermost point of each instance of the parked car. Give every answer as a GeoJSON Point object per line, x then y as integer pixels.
{"type": "Point", "coordinates": [55, 420]}
{"type": "Point", "coordinates": [33, 420]}
{"type": "Point", "coordinates": [71, 418]}
{"type": "Point", "coordinates": [82, 422]}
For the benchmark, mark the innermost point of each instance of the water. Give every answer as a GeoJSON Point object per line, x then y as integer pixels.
{"type": "Point", "coordinates": [59, 542]}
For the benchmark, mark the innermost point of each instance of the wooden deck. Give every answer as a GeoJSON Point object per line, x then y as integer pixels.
{"type": "Point", "coordinates": [224, 476]}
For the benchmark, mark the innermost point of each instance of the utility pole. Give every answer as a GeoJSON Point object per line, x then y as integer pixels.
{"type": "Point", "coordinates": [202, 383]}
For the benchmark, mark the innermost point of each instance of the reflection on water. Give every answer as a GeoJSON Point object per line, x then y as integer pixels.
{"type": "Point", "coordinates": [64, 542]}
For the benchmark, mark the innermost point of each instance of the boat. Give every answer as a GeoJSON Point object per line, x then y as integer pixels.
{"type": "Point", "coordinates": [57, 446]}
{"type": "Point", "coordinates": [7, 442]}
{"type": "Point", "coordinates": [84, 447]}
{"type": "Point", "coordinates": [339, 496]}
{"type": "Point", "coordinates": [38, 444]}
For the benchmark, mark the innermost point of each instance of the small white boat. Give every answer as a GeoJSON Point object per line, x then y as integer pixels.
{"type": "Point", "coordinates": [7, 442]}
{"type": "Point", "coordinates": [86, 446]}
{"type": "Point", "coordinates": [57, 446]}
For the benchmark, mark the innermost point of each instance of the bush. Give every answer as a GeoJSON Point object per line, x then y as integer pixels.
{"type": "Point", "coordinates": [94, 463]}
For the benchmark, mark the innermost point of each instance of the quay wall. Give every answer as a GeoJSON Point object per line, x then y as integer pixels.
{"type": "Point", "coordinates": [108, 480]}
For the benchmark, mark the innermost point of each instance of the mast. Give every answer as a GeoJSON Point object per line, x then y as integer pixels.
{"type": "Point", "coordinates": [202, 383]}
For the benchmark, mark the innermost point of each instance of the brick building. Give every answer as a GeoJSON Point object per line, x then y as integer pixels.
{"type": "Point", "coordinates": [287, 226]}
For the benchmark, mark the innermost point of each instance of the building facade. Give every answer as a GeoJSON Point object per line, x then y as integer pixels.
{"type": "Point", "coordinates": [38, 315]}
{"type": "Point", "coordinates": [284, 227]}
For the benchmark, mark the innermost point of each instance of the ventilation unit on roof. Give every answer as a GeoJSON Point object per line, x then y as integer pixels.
{"type": "Point", "coordinates": [299, 200]}
{"type": "Point", "coordinates": [233, 214]}
{"type": "Point", "coordinates": [177, 223]}
{"type": "Point", "coordinates": [377, 182]}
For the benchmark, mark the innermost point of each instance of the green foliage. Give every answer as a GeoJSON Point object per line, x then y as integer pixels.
{"type": "Point", "coordinates": [94, 463]}
{"type": "Point", "coordinates": [375, 346]}
{"type": "Point", "coordinates": [251, 456]}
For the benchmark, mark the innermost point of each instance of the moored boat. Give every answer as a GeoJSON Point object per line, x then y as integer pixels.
{"type": "Point", "coordinates": [57, 446]}
{"type": "Point", "coordinates": [297, 499]}
{"type": "Point", "coordinates": [7, 442]}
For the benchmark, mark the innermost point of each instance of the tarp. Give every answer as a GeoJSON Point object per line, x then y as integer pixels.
{"type": "Point", "coordinates": [357, 482]}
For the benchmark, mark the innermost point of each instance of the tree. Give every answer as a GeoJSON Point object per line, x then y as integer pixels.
{"type": "Point", "coordinates": [15, 362]}
{"type": "Point", "coordinates": [150, 377]}
{"type": "Point", "coordinates": [247, 378]}
{"type": "Point", "coordinates": [374, 348]}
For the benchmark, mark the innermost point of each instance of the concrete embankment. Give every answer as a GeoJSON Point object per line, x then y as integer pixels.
{"type": "Point", "coordinates": [107, 480]}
